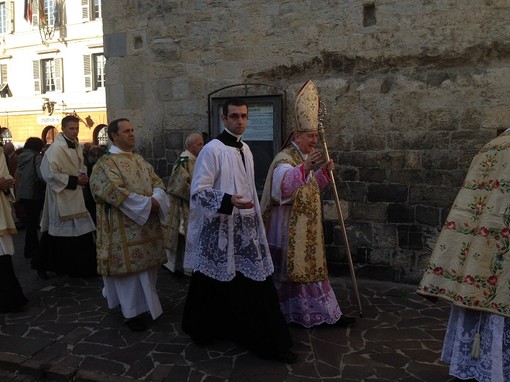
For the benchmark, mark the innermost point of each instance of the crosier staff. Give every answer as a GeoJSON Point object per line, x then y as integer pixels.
{"type": "Point", "coordinates": [322, 115]}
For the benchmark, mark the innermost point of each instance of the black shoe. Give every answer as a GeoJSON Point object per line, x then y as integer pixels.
{"type": "Point", "coordinates": [43, 275]}
{"type": "Point", "coordinates": [137, 324]}
{"type": "Point", "coordinates": [345, 321]}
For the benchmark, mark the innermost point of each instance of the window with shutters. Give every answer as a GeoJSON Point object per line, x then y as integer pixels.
{"type": "Point", "coordinates": [91, 10]}
{"type": "Point", "coordinates": [48, 75]}
{"type": "Point", "coordinates": [50, 11]}
{"type": "Point", "coordinates": [6, 17]}
{"type": "Point", "coordinates": [97, 9]}
{"type": "Point", "coordinates": [3, 18]}
{"type": "Point", "coordinates": [51, 14]}
{"type": "Point", "coordinates": [4, 86]}
{"type": "Point", "coordinates": [93, 66]}
{"type": "Point", "coordinates": [3, 74]}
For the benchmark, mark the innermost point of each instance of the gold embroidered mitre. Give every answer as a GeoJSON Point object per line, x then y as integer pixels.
{"type": "Point", "coordinates": [307, 108]}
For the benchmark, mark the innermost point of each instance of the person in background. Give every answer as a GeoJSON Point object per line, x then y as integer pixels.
{"type": "Point", "coordinates": [131, 206]}
{"type": "Point", "coordinates": [292, 212]}
{"type": "Point", "coordinates": [231, 295]}
{"type": "Point", "coordinates": [470, 269]}
{"type": "Point", "coordinates": [11, 295]}
{"type": "Point", "coordinates": [30, 193]}
{"type": "Point", "coordinates": [94, 153]}
{"type": "Point", "coordinates": [67, 243]}
{"type": "Point", "coordinates": [178, 190]}
{"type": "Point", "coordinates": [11, 156]}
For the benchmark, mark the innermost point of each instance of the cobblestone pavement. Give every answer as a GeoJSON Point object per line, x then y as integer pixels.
{"type": "Point", "coordinates": [67, 333]}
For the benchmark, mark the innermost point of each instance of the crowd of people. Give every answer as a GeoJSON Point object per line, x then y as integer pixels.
{"type": "Point", "coordinates": [254, 267]}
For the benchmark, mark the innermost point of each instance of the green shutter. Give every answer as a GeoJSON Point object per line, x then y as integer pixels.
{"type": "Point", "coordinates": [59, 75]}
{"type": "Point", "coordinates": [87, 72]}
{"type": "Point", "coordinates": [85, 10]}
{"type": "Point", "coordinates": [3, 72]}
{"type": "Point", "coordinates": [36, 65]}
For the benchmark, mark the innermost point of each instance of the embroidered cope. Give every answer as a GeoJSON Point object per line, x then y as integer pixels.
{"type": "Point", "coordinates": [470, 264]}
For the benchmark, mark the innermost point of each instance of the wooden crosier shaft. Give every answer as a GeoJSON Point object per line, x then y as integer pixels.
{"type": "Point", "coordinates": [342, 224]}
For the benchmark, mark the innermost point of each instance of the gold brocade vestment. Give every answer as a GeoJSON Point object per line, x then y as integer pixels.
{"type": "Point", "coordinates": [178, 191]}
{"type": "Point", "coordinates": [303, 232]}
{"type": "Point", "coordinates": [123, 246]}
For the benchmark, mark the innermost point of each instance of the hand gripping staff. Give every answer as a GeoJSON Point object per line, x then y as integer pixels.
{"type": "Point", "coordinates": [322, 115]}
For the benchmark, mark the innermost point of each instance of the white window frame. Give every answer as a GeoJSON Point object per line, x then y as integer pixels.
{"type": "Point", "coordinates": [89, 11]}
{"type": "Point", "coordinates": [7, 19]}
{"type": "Point", "coordinates": [97, 13]}
{"type": "Point", "coordinates": [41, 78]}
{"type": "Point", "coordinates": [91, 71]}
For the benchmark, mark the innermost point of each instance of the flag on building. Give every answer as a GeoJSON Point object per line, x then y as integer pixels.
{"type": "Point", "coordinates": [28, 11]}
{"type": "Point", "coordinates": [42, 16]}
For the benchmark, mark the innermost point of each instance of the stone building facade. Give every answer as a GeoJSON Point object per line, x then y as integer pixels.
{"type": "Point", "coordinates": [413, 89]}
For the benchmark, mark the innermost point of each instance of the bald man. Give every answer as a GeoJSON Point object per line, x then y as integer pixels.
{"type": "Point", "coordinates": [178, 190]}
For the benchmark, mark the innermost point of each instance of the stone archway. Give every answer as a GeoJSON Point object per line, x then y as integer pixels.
{"type": "Point", "coordinates": [100, 135]}
{"type": "Point", "coordinates": [5, 135]}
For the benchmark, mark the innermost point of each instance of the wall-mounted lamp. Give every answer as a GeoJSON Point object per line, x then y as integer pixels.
{"type": "Point", "coordinates": [48, 105]}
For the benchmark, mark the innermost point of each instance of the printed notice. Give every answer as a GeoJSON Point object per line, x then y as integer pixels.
{"type": "Point", "coordinates": [260, 122]}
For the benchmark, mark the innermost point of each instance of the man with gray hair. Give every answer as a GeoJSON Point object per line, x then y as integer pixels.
{"type": "Point", "coordinates": [178, 191]}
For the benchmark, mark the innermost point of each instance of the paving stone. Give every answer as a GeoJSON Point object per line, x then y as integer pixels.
{"type": "Point", "coordinates": [103, 365]}
{"type": "Point", "coordinates": [390, 373]}
{"type": "Point", "coordinates": [391, 359]}
{"type": "Point", "coordinates": [358, 373]}
{"type": "Point", "coordinates": [141, 368]}
{"type": "Point", "coordinates": [162, 372]}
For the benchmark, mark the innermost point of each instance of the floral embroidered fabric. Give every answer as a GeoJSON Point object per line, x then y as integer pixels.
{"type": "Point", "coordinates": [470, 264]}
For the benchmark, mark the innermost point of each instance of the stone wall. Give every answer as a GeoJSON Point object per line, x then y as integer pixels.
{"type": "Point", "coordinates": [413, 88]}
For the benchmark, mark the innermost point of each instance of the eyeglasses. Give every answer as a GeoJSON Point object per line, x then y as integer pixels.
{"type": "Point", "coordinates": [237, 116]}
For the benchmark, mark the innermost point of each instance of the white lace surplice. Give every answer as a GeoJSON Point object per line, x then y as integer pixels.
{"type": "Point", "coordinates": [493, 365]}
{"type": "Point", "coordinates": [219, 245]}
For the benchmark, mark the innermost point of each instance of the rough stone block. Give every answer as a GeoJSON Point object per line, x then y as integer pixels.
{"type": "Point", "coordinates": [351, 191]}
{"type": "Point", "coordinates": [174, 140]}
{"type": "Point", "coordinates": [373, 212]}
{"type": "Point", "coordinates": [443, 120]}
{"type": "Point", "coordinates": [370, 142]}
{"type": "Point", "coordinates": [379, 257]}
{"type": "Point", "coordinates": [428, 215]}
{"type": "Point", "coordinates": [410, 237]}
{"type": "Point", "coordinates": [434, 196]}
{"type": "Point", "coordinates": [440, 160]}
{"type": "Point", "coordinates": [387, 193]}
{"type": "Point", "coordinates": [385, 236]}
{"type": "Point", "coordinates": [372, 175]}
{"type": "Point", "coordinates": [400, 213]}
{"type": "Point", "coordinates": [330, 210]}
{"type": "Point", "coordinates": [358, 235]}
